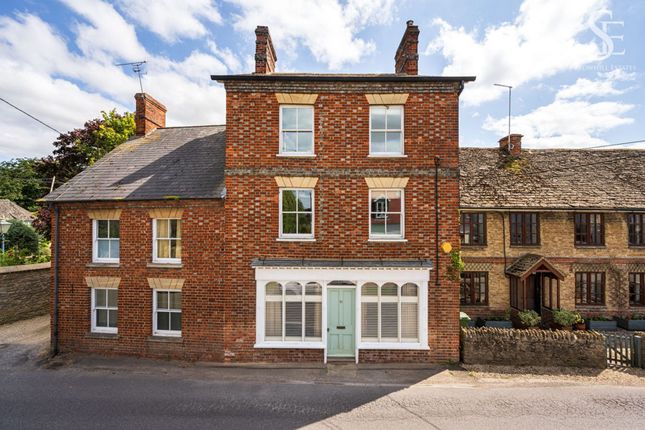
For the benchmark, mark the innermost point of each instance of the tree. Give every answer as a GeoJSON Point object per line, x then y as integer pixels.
{"type": "Point", "coordinates": [22, 237]}
{"type": "Point", "coordinates": [21, 182]}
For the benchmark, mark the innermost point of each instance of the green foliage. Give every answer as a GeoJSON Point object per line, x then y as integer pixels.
{"type": "Point", "coordinates": [456, 266]}
{"type": "Point", "coordinates": [15, 257]}
{"type": "Point", "coordinates": [529, 318]}
{"type": "Point", "coordinates": [565, 318]}
{"type": "Point", "coordinates": [22, 237]}
{"type": "Point", "coordinates": [21, 182]}
{"type": "Point", "coordinates": [463, 319]}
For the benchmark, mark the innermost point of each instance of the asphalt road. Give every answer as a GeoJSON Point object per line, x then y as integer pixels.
{"type": "Point", "coordinates": [116, 393]}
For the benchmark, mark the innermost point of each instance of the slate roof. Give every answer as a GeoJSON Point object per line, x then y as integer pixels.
{"type": "Point", "coordinates": [344, 77]}
{"type": "Point", "coordinates": [9, 210]}
{"type": "Point", "coordinates": [304, 262]}
{"type": "Point", "coordinates": [557, 179]}
{"type": "Point", "coordinates": [173, 162]}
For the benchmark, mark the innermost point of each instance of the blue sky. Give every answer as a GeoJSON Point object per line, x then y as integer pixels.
{"type": "Point", "coordinates": [576, 66]}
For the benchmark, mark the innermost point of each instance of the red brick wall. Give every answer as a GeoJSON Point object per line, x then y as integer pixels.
{"type": "Point", "coordinates": [202, 315]}
{"type": "Point", "coordinates": [341, 128]}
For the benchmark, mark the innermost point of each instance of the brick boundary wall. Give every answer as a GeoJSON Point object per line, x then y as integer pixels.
{"type": "Point", "coordinates": [24, 292]}
{"type": "Point", "coordinates": [488, 345]}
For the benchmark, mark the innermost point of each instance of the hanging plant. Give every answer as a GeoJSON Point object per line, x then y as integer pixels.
{"type": "Point", "coordinates": [456, 265]}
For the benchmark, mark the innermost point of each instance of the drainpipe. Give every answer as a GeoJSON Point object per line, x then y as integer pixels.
{"type": "Point", "coordinates": [437, 162]}
{"type": "Point", "coordinates": [501, 214]}
{"type": "Point", "coordinates": [54, 345]}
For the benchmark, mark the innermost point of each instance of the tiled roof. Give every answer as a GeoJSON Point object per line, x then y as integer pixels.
{"type": "Point", "coordinates": [9, 210]}
{"type": "Point", "coordinates": [553, 179]}
{"type": "Point", "coordinates": [174, 162]}
{"type": "Point", "coordinates": [530, 262]}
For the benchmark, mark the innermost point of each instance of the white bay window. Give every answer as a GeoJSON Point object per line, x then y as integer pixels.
{"type": "Point", "coordinates": [293, 313]}
{"type": "Point", "coordinates": [390, 313]}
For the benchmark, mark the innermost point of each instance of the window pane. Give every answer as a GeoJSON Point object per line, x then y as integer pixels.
{"type": "Point", "coordinates": [305, 115]}
{"type": "Point", "coordinates": [114, 229]}
{"type": "Point", "coordinates": [313, 319]}
{"type": "Point", "coordinates": [162, 228]}
{"type": "Point", "coordinates": [289, 223]}
{"type": "Point", "coordinates": [304, 224]}
{"type": "Point", "coordinates": [175, 321]}
{"type": "Point", "coordinates": [304, 201]}
{"type": "Point", "coordinates": [113, 315]}
{"type": "Point", "coordinates": [163, 321]}
{"type": "Point", "coordinates": [273, 289]}
{"type": "Point", "coordinates": [393, 224]}
{"type": "Point", "coordinates": [175, 249]}
{"type": "Point", "coordinates": [394, 118]}
{"type": "Point", "coordinates": [174, 227]}
{"type": "Point", "coordinates": [305, 142]}
{"type": "Point", "coordinates": [369, 320]}
{"type": "Point", "coordinates": [175, 300]}
{"type": "Point", "coordinates": [394, 201]}
{"type": "Point", "coordinates": [112, 298]}
{"type": "Point", "coordinates": [389, 320]}
{"type": "Point", "coordinates": [162, 300]}
{"type": "Point", "coordinates": [293, 319]}
{"type": "Point", "coordinates": [389, 289]}
{"type": "Point", "coordinates": [101, 318]}
{"type": "Point", "coordinates": [293, 289]}
{"type": "Point", "coordinates": [273, 320]}
{"type": "Point", "coordinates": [409, 290]}
{"type": "Point", "coordinates": [114, 248]}
{"type": "Point", "coordinates": [99, 300]}
{"type": "Point", "coordinates": [370, 289]}
{"type": "Point", "coordinates": [102, 228]}
{"type": "Point", "coordinates": [163, 248]}
{"type": "Point", "coordinates": [313, 289]}
{"type": "Point", "coordinates": [378, 118]}
{"type": "Point", "coordinates": [377, 223]}
{"type": "Point", "coordinates": [393, 142]}
{"type": "Point", "coordinates": [103, 248]}
{"type": "Point", "coordinates": [378, 141]}
{"type": "Point", "coordinates": [409, 325]}
{"type": "Point", "coordinates": [289, 141]}
{"type": "Point", "coordinates": [289, 200]}
{"type": "Point", "coordinates": [379, 201]}
{"type": "Point", "coordinates": [289, 118]}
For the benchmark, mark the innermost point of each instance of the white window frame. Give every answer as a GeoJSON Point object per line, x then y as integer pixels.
{"type": "Point", "coordinates": [297, 236]}
{"type": "Point", "coordinates": [401, 130]}
{"type": "Point", "coordinates": [399, 300]}
{"type": "Point", "coordinates": [386, 237]}
{"type": "Point", "coordinates": [95, 242]}
{"type": "Point", "coordinates": [303, 299]}
{"type": "Point", "coordinates": [156, 259]}
{"type": "Point", "coordinates": [93, 308]}
{"type": "Point", "coordinates": [281, 150]}
{"type": "Point", "coordinates": [168, 333]}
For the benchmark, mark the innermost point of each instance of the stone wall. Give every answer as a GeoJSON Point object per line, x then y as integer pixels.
{"type": "Point", "coordinates": [24, 292]}
{"type": "Point", "coordinates": [532, 347]}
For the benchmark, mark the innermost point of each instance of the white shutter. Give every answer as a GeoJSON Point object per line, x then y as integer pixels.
{"type": "Point", "coordinates": [273, 311]}
{"type": "Point", "coordinates": [409, 313]}
{"type": "Point", "coordinates": [313, 311]}
{"type": "Point", "coordinates": [369, 312]}
{"type": "Point", "coordinates": [389, 321]}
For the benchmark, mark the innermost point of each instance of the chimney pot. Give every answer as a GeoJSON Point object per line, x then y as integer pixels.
{"type": "Point", "coordinates": [406, 59]}
{"type": "Point", "coordinates": [516, 145]}
{"type": "Point", "coordinates": [265, 56]}
{"type": "Point", "coordinates": [149, 115]}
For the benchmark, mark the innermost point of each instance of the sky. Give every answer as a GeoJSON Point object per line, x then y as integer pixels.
{"type": "Point", "coordinates": [576, 67]}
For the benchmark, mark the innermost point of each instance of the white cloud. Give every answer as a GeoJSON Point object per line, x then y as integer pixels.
{"type": "Point", "coordinates": [572, 120]}
{"type": "Point", "coordinates": [41, 72]}
{"type": "Point", "coordinates": [544, 39]}
{"type": "Point", "coordinates": [327, 28]}
{"type": "Point", "coordinates": [173, 19]}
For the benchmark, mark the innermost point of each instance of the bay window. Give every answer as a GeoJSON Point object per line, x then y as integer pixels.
{"type": "Point", "coordinates": [293, 312]}
{"type": "Point", "coordinates": [389, 313]}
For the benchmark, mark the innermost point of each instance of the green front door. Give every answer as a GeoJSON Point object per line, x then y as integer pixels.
{"type": "Point", "coordinates": [340, 322]}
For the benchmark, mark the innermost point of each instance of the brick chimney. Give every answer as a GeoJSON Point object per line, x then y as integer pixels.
{"type": "Point", "coordinates": [265, 57]}
{"type": "Point", "coordinates": [150, 114]}
{"type": "Point", "coordinates": [407, 56]}
{"type": "Point", "coordinates": [516, 145]}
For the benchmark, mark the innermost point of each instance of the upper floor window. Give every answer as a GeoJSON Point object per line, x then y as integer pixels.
{"type": "Point", "coordinates": [637, 289]}
{"type": "Point", "coordinates": [386, 214]}
{"type": "Point", "coordinates": [589, 229]}
{"type": "Point", "coordinates": [386, 130]}
{"type": "Point", "coordinates": [474, 288]}
{"type": "Point", "coordinates": [297, 213]}
{"type": "Point", "coordinates": [473, 229]}
{"type": "Point", "coordinates": [636, 224]}
{"type": "Point", "coordinates": [105, 247]}
{"type": "Point", "coordinates": [166, 245]}
{"type": "Point", "coordinates": [296, 130]}
{"type": "Point", "coordinates": [525, 228]}
{"type": "Point", "coordinates": [590, 288]}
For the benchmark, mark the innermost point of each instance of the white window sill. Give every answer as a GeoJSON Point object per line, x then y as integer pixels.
{"type": "Point", "coordinates": [160, 265]}
{"type": "Point", "coordinates": [171, 334]}
{"type": "Point", "coordinates": [297, 155]}
{"type": "Point", "coordinates": [374, 239]}
{"type": "Point", "coordinates": [393, 345]}
{"type": "Point", "coordinates": [295, 239]}
{"type": "Point", "coordinates": [387, 156]}
{"type": "Point", "coordinates": [103, 264]}
{"type": "Point", "coordinates": [290, 345]}
{"type": "Point", "coordinates": [104, 331]}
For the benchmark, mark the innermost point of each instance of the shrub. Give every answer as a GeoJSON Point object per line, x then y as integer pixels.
{"type": "Point", "coordinates": [564, 317]}
{"type": "Point", "coordinates": [529, 318]}
{"type": "Point", "coordinates": [22, 237]}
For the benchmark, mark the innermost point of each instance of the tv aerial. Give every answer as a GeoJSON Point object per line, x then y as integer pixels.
{"type": "Point", "coordinates": [137, 67]}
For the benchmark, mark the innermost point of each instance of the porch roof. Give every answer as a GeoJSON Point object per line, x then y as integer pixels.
{"type": "Point", "coordinates": [341, 263]}
{"type": "Point", "coordinates": [528, 263]}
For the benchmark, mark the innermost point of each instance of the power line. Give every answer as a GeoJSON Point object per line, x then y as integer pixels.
{"type": "Point", "coordinates": [30, 116]}
{"type": "Point", "coordinates": [617, 144]}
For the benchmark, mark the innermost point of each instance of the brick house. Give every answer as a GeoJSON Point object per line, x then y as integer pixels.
{"type": "Point", "coordinates": [557, 228]}
{"type": "Point", "coordinates": [307, 229]}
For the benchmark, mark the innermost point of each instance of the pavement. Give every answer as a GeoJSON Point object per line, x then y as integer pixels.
{"type": "Point", "coordinates": [73, 391]}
